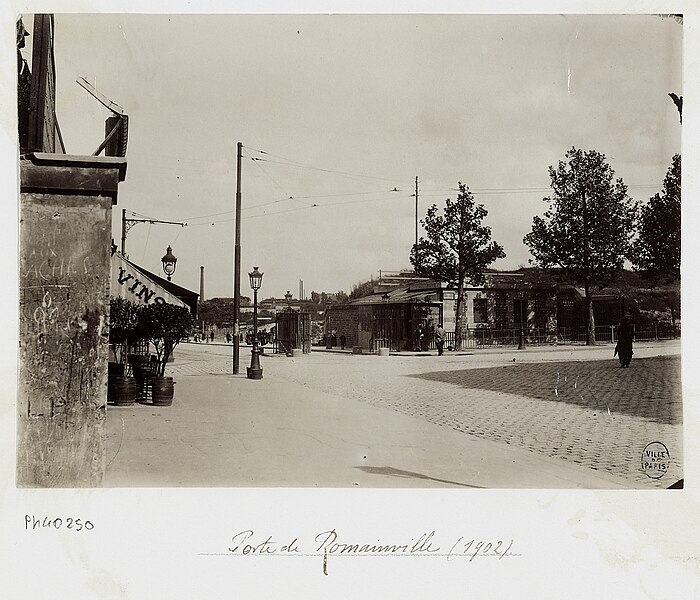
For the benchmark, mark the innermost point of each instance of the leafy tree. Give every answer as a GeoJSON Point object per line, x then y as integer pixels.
{"type": "Point", "coordinates": [657, 250]}
{"type": "Point", "coordinates": [588, 225]}
{"type": "Point", "coordinates": [123, 327]}
{"type": "Point", "coordinates": [457, 248]}
{"type": "Point", "coordinates": [361, 289]}
{"type": "Point", "coordinates": [165, 326]}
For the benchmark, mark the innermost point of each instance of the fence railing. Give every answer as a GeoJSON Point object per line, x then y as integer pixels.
{"type": "Point", "coordinates": [489, 337]}
{"type": "Point", "coordinates": [608, 333]}
{"type": "Point", "coordinates": [485, 337]}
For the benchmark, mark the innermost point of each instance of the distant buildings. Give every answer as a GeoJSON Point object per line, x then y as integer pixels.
{"type": "Point", "coordinates": [402, 309]}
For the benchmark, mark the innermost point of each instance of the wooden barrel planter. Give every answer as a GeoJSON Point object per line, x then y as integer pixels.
{"type": "Point", "coordinates": [121, 391]}
{"type": "Point", "coordinates": [163, 391]}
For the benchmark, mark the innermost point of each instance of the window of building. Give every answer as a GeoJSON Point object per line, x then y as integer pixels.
{"type": "Point", "coordinates": [481, 310]}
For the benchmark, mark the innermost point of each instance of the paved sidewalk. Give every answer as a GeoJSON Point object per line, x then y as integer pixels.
{"type": "Point", "coordinates": [233, 432]}
{"type": "Point", "coordinates": [331, 420]}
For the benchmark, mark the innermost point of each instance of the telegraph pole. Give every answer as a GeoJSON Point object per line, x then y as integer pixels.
{"type": "Point", "coordinates": [237, 266]}
{"type": "Point", "coordinates": [416, 210]}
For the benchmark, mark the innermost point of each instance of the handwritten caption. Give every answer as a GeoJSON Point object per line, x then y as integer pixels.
{"type": "Point", "coordinates": [31, 522]}
{"type": "Point", "coordinates": [330, 543]}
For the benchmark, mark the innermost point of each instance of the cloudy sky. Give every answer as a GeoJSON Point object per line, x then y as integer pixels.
{"type": "Point", "coordinates": [335, 112]}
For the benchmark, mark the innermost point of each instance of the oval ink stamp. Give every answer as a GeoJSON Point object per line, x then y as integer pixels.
{"type": "Point", "coordinates": [655, 460]}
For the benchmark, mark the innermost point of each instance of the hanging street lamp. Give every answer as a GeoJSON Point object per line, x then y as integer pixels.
{"type": "Point", "coordinates": [254, 370]}
{"type": "Point", "coordinates": [169, 263]}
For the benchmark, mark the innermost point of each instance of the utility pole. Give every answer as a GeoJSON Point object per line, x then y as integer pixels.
{"type": "Point", "coordinates": [127, 224]}
{"type": "Point", "coordinates": [416, 210]}
{"type": "Point", "coordinates": [237, 266]}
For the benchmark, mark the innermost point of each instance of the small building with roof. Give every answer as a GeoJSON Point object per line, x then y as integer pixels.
{"type": "Point", "coordinates": [402, 313]}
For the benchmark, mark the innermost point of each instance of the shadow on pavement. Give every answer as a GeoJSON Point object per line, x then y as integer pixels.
{"type": "Point", "coordinates": [392, 472]}
{"type": "Point", "coordinates": [650, 388]}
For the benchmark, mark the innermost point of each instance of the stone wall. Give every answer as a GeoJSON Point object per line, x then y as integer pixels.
{"type": "Point", "coordinates": [345, 320]}
{"type": "Point", "coordinates": [64, 262]}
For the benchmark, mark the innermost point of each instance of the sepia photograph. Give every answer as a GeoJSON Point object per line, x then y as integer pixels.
{"type": "Point", "coordinates": [317, 300]}
{"type": "Point", "coordinates": [374, 251]}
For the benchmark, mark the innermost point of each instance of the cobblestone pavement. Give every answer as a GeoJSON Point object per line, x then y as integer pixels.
{"type": "Point", "coordinates": [592, 413]}
{"type": "Point", "coordinates": [571, 405]}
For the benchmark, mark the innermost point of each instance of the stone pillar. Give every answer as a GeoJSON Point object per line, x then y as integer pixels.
{"type": "Point", "coordinates": [64, 265]}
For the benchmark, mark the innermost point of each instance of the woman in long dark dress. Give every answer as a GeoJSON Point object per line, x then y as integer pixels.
{"type": "Point", "coordinates": [625, 337]}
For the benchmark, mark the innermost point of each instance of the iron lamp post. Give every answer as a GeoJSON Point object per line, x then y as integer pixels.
{"type": "Point", "coordinates": [169, 262]}
{"type": "Point", "coordinates": [254, 370]}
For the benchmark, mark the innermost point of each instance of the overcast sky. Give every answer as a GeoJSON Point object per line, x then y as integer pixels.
{"type": "Point", "coordinates": [347, 108]}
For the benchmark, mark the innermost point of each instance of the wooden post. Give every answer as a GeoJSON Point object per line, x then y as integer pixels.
{"type": "Point", "coordinates": [237, 265]}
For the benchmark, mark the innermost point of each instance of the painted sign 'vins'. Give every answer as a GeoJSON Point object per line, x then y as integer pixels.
{"type": "Point", "coordinates": [144, 294]}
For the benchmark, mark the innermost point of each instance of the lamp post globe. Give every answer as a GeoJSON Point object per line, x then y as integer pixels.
{"type": "Point", "coordinates": [169, 263]}
{"type": "Point", "coordinates": [255, 370]}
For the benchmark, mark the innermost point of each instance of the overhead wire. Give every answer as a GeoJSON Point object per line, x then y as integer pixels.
{"type": "Point", "coordinates": [283, 161]}
{"type": "Point", "coordinates": [293, 163]}
{"type": "Point", "coordinates": [145, 247]}
{"type": "Point", "coordinates": [276, 184]}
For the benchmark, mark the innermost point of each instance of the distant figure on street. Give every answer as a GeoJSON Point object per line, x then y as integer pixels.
{"type": "Point", "coordinates": [428, 335]}
{"type": "Point", "coordinates": [342, 342]}
{"type": "Point", "coordinates": [439, 338]}
{"type": "Point", "coordinates": [625, 337]}
{"type": "Point", "coordinates": [212, 336]}
{"type": "Point", "coordinates": [419, 338]}
{"type": "Point", "coordinates": [228, 338]}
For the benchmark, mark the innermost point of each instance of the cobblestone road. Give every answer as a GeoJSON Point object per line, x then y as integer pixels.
{"type": "Point", "coordinates": [589, 412]}
{"type": "Point", "coordinates": [579, 409]}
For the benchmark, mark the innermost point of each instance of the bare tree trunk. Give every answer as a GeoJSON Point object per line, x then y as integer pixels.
{"type": "Point", "coordinates": [590, 321]}
{"type": "Point", "coordinates": [672, 306]}
{"type": "Point", "coordinates": [459, 313]}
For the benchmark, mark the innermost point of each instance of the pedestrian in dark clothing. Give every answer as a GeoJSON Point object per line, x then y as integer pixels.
{"type": "Point", "coordinates": [419, 338]}
{"type": "Point", "coordinates": [625, 337]}
{"type": "Point", "coordinates": [439, 338]}
{"type": "Point", "coordinates": [342, 342]}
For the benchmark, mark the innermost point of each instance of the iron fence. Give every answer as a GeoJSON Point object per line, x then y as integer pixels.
{"type": "Point", "coordinates": [486, 337]}
{"type": "Point", "coordinates": [608, 333]}
{"type": "Point", "coordinates": [492, 337]}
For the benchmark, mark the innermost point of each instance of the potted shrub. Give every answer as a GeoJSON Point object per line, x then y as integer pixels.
{"type": "Point", "coordinates": [123, 328]}
{"type": "Point", "coordinates": [165, 326]}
